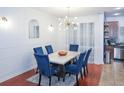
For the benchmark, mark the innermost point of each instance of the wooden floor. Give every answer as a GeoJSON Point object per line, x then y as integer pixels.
{"type": "Point", "coordinates": [92, 79]}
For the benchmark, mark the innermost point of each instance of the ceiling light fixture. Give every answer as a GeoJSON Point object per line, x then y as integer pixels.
{"type": "Point", "coordinates": [118, 8]}
{"type": "Point", "coordinates": [116, 14]}
{"type": "Point", "coordinates": [68, 22]}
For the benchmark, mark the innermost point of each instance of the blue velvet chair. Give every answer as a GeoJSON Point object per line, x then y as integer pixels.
{"type": "Point", "coordinates": [49, 49]}
{"type": "Point", "coordinates": [85, 64]}
{"type": "Point", "coordinates": [73, 47]}
{"type": "Point", "coordinates": [77, 67]}
{"type": "Point", "coordinates": [44, 67]}
{"type": "Point", "coordinates": [38, 50]}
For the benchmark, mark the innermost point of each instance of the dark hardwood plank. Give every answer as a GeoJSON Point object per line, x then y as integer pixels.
{"type": "Point", "coordinates": [92, 79]}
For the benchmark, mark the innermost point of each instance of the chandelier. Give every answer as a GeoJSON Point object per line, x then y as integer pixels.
{"type": "Point", "coordinates": [68, 22]}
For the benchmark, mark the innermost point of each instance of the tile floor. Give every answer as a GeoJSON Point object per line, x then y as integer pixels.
{"type": "Point", "coordinates": [112, 74]}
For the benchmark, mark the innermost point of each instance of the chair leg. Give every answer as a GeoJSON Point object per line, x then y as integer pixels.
{"type": "Point", "coordinates": [37, 70]}
{"type": "Point", "coordinates": [84, 72]}
{"type": "Point", "coordinates": [58, 78]}
{"type": "Point", "coordinates": [39, 79]}
{"type": "Point", "coordinates": [81, 74]}
{"type": "Point", "coordinates": [49, 81]}
{"type": "Point", "coordinates": [64, 79]}
{"type": "Point", "coordinates": [77, 79]}
{"type": "Point", "coordinates": [87, 69]}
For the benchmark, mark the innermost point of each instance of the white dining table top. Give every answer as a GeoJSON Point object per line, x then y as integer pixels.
{"type": "Point", "coordinates": [57, 59]}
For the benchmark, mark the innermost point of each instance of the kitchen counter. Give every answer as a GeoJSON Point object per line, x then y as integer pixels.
{"type": "Point", "coordinates": [119, 52]}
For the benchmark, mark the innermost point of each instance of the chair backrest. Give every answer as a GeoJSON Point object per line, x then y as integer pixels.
{"type": "Point", "coordinates": [87, 56]}
{"type": "Point", "coordinates": [38, 50]}
{"type": "Point", "coordinates": [73, 47]}
{"type": "Point", "coordinates": [43, 64]}
{"type": "Point", "coordinates": [81, 60]}
{"type": "Point", "coordinates": [49, 49]}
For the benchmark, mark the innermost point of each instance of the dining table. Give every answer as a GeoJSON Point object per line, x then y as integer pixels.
{"type": "Point", "coordinates": [61, 61]}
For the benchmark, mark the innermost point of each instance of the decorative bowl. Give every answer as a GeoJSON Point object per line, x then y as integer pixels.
{"type": "Point", "coordinates": [62, 53]}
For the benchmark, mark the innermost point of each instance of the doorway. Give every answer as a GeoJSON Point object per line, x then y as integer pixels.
{"type": "Point", "coordinates": [110, 40]}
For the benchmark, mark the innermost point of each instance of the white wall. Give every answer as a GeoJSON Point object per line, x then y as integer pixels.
{"type": "Point", "coordinates": [120, 20]}
{"type": "Point", "coordinates": [16, 49]}
{"type": "Point", "coordinates": [61, 39]}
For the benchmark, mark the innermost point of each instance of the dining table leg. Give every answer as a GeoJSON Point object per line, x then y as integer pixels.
{"type": "Point", "coordinates": [64, 73]}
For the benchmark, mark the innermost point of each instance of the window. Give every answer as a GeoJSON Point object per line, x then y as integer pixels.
{"type": "Point", "coordinates": [72, 36]}
{"type": "Point", "coordinates": [87, 38]}
{"type": "Point", "coordinates": [33, 29]}
{"type": "Point", "coordinates": [121, 35]}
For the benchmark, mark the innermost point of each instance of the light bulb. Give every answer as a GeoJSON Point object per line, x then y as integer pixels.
{"type": "Point", "coordinates": [117, 14]}
{"type": "Point", "coordinates": [59, 19]}
{"type": "Point", "coordinates": [75, 17]}
{"type": "Point", "coordinates": [50, 28]}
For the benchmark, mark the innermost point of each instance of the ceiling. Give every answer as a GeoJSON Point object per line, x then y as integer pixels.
{"type": "Point", "coordinates": [81, 11]}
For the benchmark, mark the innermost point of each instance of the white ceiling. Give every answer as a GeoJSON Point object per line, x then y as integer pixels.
{"type": "Point", "coordinates": [80, 11]}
